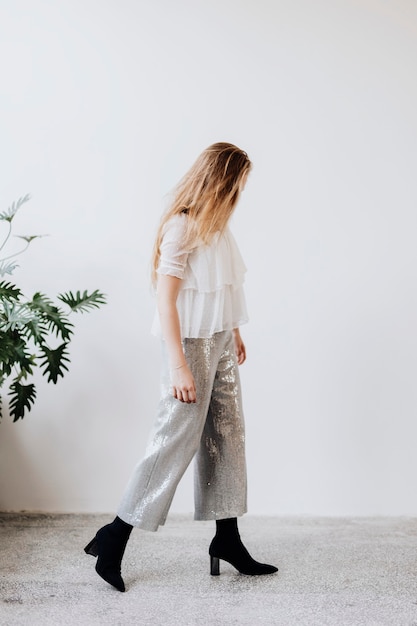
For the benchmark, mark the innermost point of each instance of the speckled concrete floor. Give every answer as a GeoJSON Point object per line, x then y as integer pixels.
{"type": "Point", "coordinates": [344, 572]}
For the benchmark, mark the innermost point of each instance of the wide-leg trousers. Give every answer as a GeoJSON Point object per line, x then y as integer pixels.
{"type": "Point", "coordinates": [211, 430]}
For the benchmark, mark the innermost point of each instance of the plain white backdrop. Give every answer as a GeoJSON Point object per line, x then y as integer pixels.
{"type": "Point", "coordinates": [103, 106]}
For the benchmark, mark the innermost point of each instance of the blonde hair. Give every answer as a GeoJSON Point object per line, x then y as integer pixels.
{"type": "Point", "coordinates": [207, 193]}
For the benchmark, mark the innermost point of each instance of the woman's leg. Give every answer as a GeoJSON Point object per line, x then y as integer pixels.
{"type": "Point", "coordinates": [174, 441]}
{"type": "Point", "coordinates": [220, 468]}
{"type": "Point", "coordinates": [172, 445]}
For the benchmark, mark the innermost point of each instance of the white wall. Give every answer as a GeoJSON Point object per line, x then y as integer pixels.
{"type": "Point", "coordinates": [103, 106]}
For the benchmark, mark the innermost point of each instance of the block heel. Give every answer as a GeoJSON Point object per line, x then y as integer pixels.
{"type": "Point", "coordinates": [214, 566]}
{"type": "Point", "coordinates": [92, 547]}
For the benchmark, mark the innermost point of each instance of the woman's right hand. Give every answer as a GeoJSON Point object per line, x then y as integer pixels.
{"type": "Point", "coordinates": [183, 384]}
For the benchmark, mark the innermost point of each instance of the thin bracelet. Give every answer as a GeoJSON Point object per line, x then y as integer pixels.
{"type": "Point", "coordinates": [179, 366]}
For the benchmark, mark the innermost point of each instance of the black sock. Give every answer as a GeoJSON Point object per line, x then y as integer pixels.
{"type": "Point", "coordinates": [227, 527]}
{"type": "Point", "coordinates": [121, 527]}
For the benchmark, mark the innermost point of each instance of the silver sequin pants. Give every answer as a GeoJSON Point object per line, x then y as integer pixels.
{"type": "Point", "coordinates": [212, 430]}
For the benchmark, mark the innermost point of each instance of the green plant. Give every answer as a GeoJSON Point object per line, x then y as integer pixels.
{"type": "Point", "coordinates": [28, 326]}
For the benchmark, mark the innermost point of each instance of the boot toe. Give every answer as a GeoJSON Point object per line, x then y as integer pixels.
{"type": "Point", "coordinates": [257, 569]}
{"type": "Point", "coordinates": [113, 578]}
{"type": "Point", "coordinates": [269, 569]}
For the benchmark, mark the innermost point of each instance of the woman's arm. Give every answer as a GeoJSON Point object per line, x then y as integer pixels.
{"type": "Point", "coordinates": [240, 348]}
{"type": "Point", "coordinates": [183, 385]}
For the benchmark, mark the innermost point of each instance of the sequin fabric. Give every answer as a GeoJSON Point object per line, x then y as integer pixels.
{"type": "Point", "coordinates": [211, 430]}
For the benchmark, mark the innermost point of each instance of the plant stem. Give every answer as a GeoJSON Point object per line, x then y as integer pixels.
{"type": "Point", "coordinates": [7, 237]}
{"type": "Point", "coordinates": [6, 258]}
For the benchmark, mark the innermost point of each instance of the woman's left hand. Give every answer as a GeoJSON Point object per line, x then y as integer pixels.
{"type": "Point", "coordinates": [240, 349]}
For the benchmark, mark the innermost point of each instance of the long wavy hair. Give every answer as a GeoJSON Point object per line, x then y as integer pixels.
{"type": "Point", "coordinates": [208, 194]}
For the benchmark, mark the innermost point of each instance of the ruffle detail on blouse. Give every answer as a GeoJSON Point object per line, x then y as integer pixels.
{"type": "Point", "coordinates": [206, 268]}
{"type": "Point", "coordinates": [212, 267]}
{"type": "Point", "coordinates": [211, 297]}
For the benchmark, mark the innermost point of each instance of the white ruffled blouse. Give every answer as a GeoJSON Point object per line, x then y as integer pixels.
{"type": "Point", "coordinates": [211, 297]}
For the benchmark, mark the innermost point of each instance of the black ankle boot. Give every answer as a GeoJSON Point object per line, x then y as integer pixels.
{"type": "Point", "coordinates": [109, 545]}
{"type": "Point", "coordinates": [228, 546]}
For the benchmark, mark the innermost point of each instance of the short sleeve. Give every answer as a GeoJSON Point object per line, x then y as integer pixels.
{"type": "Point", "coordinates": [174, 255]}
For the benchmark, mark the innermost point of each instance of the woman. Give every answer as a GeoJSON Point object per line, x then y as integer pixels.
{"type": "Point", "coordinates": [199, 274]}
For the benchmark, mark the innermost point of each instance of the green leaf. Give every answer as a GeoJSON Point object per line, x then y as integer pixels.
{"type": "Point", "coordinates": [83, 302]}
{"type": "Point", "coordinates": [9, 291]}
{"type": "Point", "coordinates": [53, 317]}
{"type": "Point", "coordinates": [13, 209]}
{"type": "Point", "coordinates": [41, 302]}
{"type": "Point", "coordinates": [54, 362]}
{"type": "Point", "coordinates": [13, 352]}
{"type": "Point", "coordinates": [15, 315]}
{"type": "Point", "coordinates": [35, 330]}
{"type": "Point", "coordinates": [7, 354]}
{"type": "Point", "coordinates": [29, 238]}
{"type": "Point", "coordinates": [22, 397]}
